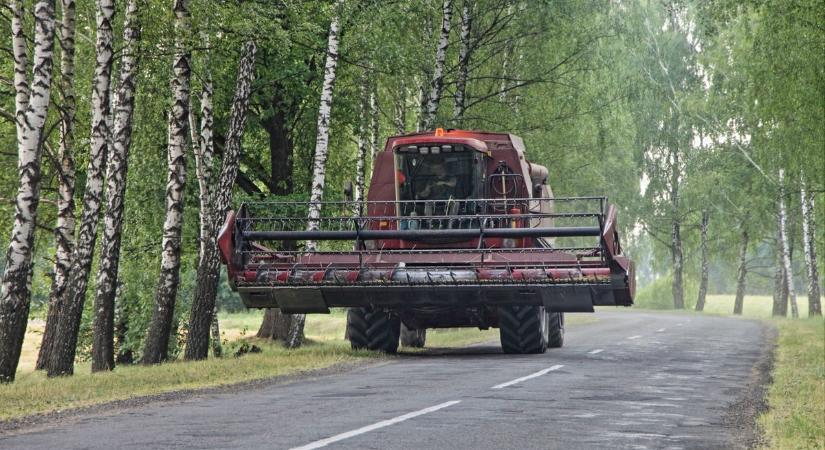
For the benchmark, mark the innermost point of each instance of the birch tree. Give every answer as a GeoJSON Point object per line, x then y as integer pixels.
{"type": "Point", "coordinates": [62, 354]}
{"type": "Point", "coordinates": [124, 104]}
{"type": "Point", "coordinates": [218, 203]}
{"type": "Point", "coordinates": [362, 137]}
{"type": "Point", "coordinates": [65, 226]}
{"type": "Point", "coordinates": [31, 104]}
{"type": "Point", "coordinates": [157, 340]}
{"type": "Point", "coordinates": [296, 330]}
{"type": "Point", "coordinates": [703, 271]}
{"type": "Point", "coordinates": [809, 247]}
{"type": "Point", "coordinates": [463, 63]}
{"type": "Point", "coordinates": [783, 237]}
{"type": "Point", "coordinates": [437, 82]}
{"type": "Point", "coordinates": [742, 271]}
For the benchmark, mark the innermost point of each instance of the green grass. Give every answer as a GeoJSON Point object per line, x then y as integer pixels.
{"type": "Point", "coordinates": [796, 419]}
{"type": "Point", "coordinates": [33, 393]}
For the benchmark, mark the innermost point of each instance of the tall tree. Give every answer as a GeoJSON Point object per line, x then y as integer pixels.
{"type": "Point", "coordinates": [786, 252]}
{"type": "Point", "coordinates": [809, 247]}
{"type": "Point", "coordinates": [742, 272]}
{"type": "Point", "coordinates": [319, 166]}
{"type": "Point", "coordinates": [219, 201]}
{"type": "Point", "coordinates": [64, 229]}
{"type": "Point", "coordinates": [103, 351]}
{"type": "Point", "coordinates": [157, 340]}
{"type": "Point", "coordinates": [31, 106]}
{"type": "Point", "coordinates": [703, 271]}
{"type": "Point", "coordinates": [437, 82]}
{"type": "Point", "coordinates": [464, 54]}
{"type": "Point", "coordinates": [61, 359]}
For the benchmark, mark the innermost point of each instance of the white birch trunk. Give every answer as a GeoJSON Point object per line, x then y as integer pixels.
{"type": "Point", "coordinates": [61, 359]}
{"type": "Point", "coordinates": [374, 123]}
{"type": "Point", "coordinates": [401, 108]}
{"type": "Point", "coordinates": [65, 226]}
{"type": "Point", "coordinates": [463, 63]}
{"type": "Point", "coordinates": [809, 247]}
{"type": "Point", "coordinates": [322, 137]}
{"type": "Point", "coordinates": [201, 317]}
{"type": "Point", "coordinates": [157, 340]}
{"type": "Point", "coordinates": [703, 277]}
{"type": "Point", "coordinates": [437, 83]}
{"type": "Point", "coordinates": [116, 170]}
{"type": "Point", "coordinates": [30, 112]}
{"type": "Point", "coordinates": [786, 254]}
{"type": "Point", "coordinates": [363, 140]}
{"type": "Point", "coordinates": [296, 330]}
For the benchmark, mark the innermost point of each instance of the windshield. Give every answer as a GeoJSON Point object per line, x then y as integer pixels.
{"type": "Point", "coordinates": [437, 173]}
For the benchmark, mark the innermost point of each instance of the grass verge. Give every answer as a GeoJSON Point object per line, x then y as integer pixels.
{"type": "Point", "coordinates": [796, 418]}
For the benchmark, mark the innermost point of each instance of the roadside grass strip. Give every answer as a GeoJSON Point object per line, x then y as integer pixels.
{"type": "Point", "coordinates": [796, 399]}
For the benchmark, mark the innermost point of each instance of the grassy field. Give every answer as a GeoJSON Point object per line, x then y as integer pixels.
{"type": "Point", "coordinates": [33, 393]}
{"type": "Point", "coordinates": [796, 419]}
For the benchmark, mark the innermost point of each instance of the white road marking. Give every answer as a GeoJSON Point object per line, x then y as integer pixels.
{"type": "Point", "coordinates": [635, 337]}
{"type": "Point", "coordinates": [532, 375]}
{"type": "Point", "coordinates": [679, 324]}
{"type": "Point", "coordinates": [593, 352]}
{"type": "Point", "coordinates": [375, 426]}
{"type": "Point", "coordinates": [660, 330]}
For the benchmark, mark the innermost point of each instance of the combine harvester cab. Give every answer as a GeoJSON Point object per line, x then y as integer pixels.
{"type": "Point", "coordinates": [459, 230]}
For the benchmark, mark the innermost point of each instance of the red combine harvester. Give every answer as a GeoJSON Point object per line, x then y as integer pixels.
{"type": "Point", "coordinates": [458, 230]}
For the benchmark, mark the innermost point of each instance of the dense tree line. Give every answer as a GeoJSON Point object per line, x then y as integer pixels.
{"type": "Point", "coordinates": [703, 120]}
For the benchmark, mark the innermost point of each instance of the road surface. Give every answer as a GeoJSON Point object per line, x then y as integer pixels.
{"type": "Point", "coordinates": [630, 380]}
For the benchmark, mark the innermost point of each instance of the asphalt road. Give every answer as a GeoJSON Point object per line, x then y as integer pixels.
{"type": "Point", "coordinates": [631, 380]}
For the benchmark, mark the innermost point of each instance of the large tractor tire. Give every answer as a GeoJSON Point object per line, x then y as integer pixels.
{"type": "Point", "coordinates": [413, 338]}
{"type": "Point", "coordinates": [523, 329]}
{"type": "Point", "coordinates": [555, 323]}
{"type": "Point", "coordinates": [373, 330]}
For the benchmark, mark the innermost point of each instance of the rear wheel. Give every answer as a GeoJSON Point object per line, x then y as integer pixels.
{"type": "Point", "coordinates": [555, 324]}
{"type": "Point", "coordinates": [523, 329]}
{"type": "Point", "coordinates": [413, 338]}
{"type": "Point", "coordinates": [373, 330]}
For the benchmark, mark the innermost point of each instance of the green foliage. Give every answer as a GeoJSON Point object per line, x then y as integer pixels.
{"type": "Point", "coordinates": [658, 294]}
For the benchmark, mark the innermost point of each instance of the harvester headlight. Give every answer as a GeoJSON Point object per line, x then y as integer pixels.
{"type": "Point", "coordinates": [424, 150]}
{"type": "Point", "coordinates": [435, 150]}
{"type": "Point", "coordinates": [508, 243]}
{"type": "Point", "coordinates": [446, 148]}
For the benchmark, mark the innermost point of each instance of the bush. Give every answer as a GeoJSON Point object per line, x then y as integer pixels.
{"type": "Point", "coordinates": [658, 294]}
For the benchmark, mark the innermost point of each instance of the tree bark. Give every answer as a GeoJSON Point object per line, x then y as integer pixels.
{"type": "Point", "coordinates": [809, 247]}
{"type": "Point", "coordinates": [703, 277]}
{"type": "Point", "coordinates": [363, 139]}
{"type": "Point", "coordinates": [157, 340]}
{"type": "Point", "coordinates": [61, 360]}
{"type": "Point", "coordinates": [780, 297]}
{"type": "Point", "coordinates": [296, 330]}
{"type": "Point", "coordinates": [676, 235]}
{"type": "Point", "coordinates": [275, 325]}
{"type": "Point", "coordinates": [742, 272]}
{"type": "Point", "coordinates": [203, 305]}
{"type": "Point", "coordinates": [30, 115]}
{"type": "Point", "coordinates": [464, 55]}
{"type": "Point", "coordinates": [103, 345]}
{"type": "Point", "coordinates": [437, 82]}
{"type": "Point", "coordinates": [400, 118]}
{"type": "Point", "coordinates": [64, 229]}
{"type": "Point", "coordinates": [786, 255]}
